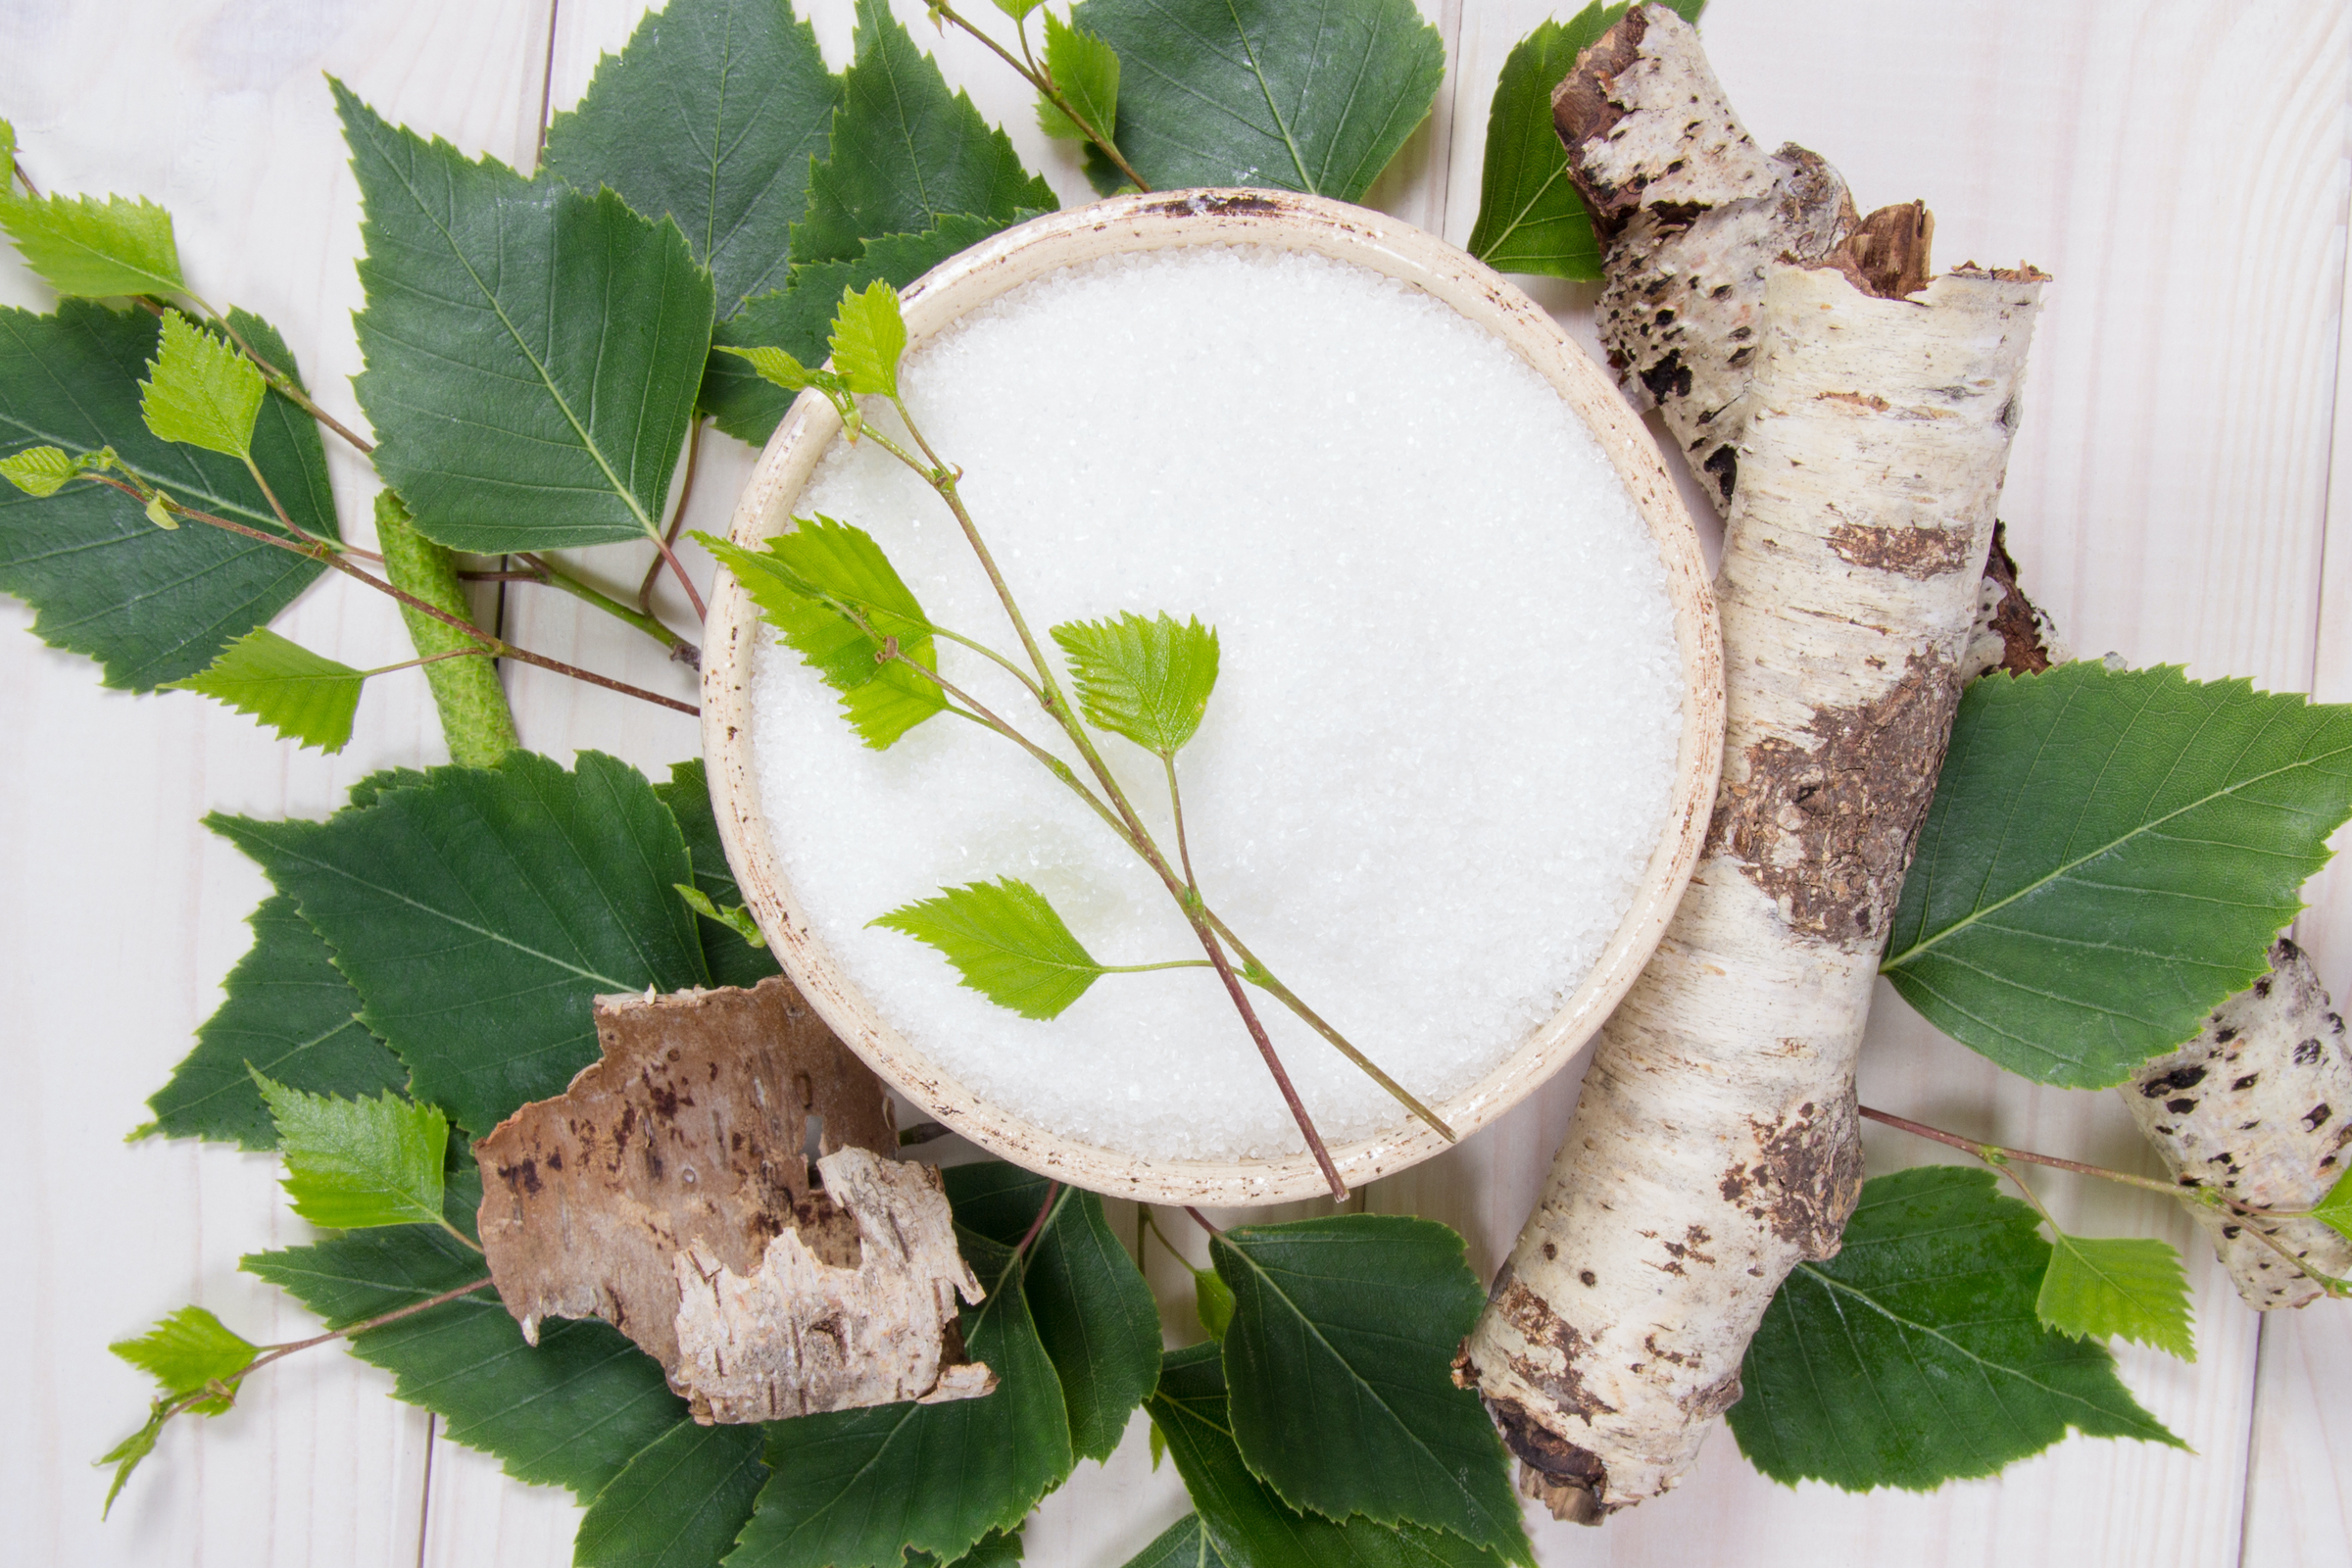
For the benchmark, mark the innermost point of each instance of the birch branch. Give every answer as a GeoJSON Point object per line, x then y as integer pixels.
{"type": "Point", "coordinates": [1863, 415]}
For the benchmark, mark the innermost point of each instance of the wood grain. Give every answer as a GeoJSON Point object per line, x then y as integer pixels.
{"type": "Point", "coordinates": [2179, 166]}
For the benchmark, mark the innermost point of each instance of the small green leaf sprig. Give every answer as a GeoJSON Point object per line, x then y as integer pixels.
{"type": "Point", "coordinates": [831, 590]}
{"type": "Point", "coordinates": [351, 1163]}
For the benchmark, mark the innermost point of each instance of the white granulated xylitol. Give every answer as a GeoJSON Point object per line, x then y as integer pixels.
{"type": "Point", "coordinates": [1439, 754]}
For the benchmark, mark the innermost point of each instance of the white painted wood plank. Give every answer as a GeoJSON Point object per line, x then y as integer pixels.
{"type": "Point", "coordinates": [2299, 1480]}
{"type": "Point", "coordinates": [123, 913]}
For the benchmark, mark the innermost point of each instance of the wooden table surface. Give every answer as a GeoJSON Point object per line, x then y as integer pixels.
{"type": "Point", "coordinates": [2180, 492]}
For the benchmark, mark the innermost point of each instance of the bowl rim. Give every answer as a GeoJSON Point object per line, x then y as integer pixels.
{"type": "Point", "coordinates": [1158, 221]}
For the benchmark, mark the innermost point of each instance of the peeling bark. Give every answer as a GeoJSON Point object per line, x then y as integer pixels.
{"type": "Point", "coordinates": [668, 1190]}
{"type": "Point", "coordinates": [1714, 1145]}
{"type": "Point", "coordinates": [2012, 634]}
{"type": "Point", "coordinates": [2259, 1105]}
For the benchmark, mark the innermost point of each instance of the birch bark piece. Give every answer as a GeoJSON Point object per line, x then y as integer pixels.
{"type": "Point", "coordinates": [2259, 1105]}
{"type": "Point", "coordinates": [1714, 1143]}
{"type": "Point", "coordinates": [680, 1163]}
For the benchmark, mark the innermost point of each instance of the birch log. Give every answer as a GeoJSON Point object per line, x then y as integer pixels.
{"type": "Point", "coordinates": [1714, 1145]}
{"type": "Point", "coordinates": [2259, 1105]}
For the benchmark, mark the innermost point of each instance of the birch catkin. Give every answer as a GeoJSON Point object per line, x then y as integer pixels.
{"type": "Point", "coordinates": [1714, 1144]}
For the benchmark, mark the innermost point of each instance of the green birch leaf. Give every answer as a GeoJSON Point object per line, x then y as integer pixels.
{"type": "Point", "coordinates": [1339, 1359]}
{"type": "Point", "coordinates": [905, 153]}
{"type": "Point", "coordinates": [572, 1411]}
{"type": "Point", "coordinates": [856, 1489]}
{"type": "Point", "coordinates": [1184, 1544]}
{"type": "Point", "coordinates": [2335, 1209]}
{"type": "Point", "coordinates": [1148, 680]}
{"type": "Point", "coordinates": [2108, 857]}
{"type": "Point", "coordinates": [678, 1503]}
{"type": "Point", "coordinates": [998, 1548]}
{"type": "Point", "coordinates": [187, 1350]}
{"type": "Point", "coordinates": [1242, 1520]}
{"type": "Point", "coordinates": [776, 368]}
{"type": "Point", "coordinates": [710, 116]}
{"type": "Point", "coordinates": [1310, 97]}
{"type": "Point", "coordinates": [479, 910]}
{"type": "Point", "coordinates": [798, 317]}
{"type": "Point", "coordinates": [1086, 70]}
{"type": "Point", "coordinates": [201, 391]}
{"type": "Point", "coordinates": [532, 351]}
{"type": "Point", "coordinates": [151, 605]}
{"type": "Point", "coordinates": [8, 156]}
{"type": "Point", "coordinates": [41, 471]}
{"type": "Point", "coordinates": [1006, 940]}
{"type": "Point", "coordinates": [798, 580]}
{"type": "Point", "coordinates": [306, 698]}
{"type": "Point", "coordinates": [732, 960]}
{"type": "Point", "coordinates": [2122, 1287]}
{"type": "Point", "coordinates": [85, 248]}
{"type": "Point", "coordinates": [868, 337]}
{"type": "Point", "coordinates": [1688, 9]}
{"type": "Point", "coordinates": [288, 1013]}
{"type": "Point", "coordinates": [1095, 1315]}
{"type": "Point", "coordinates": [1531, 218]}
{"type": "Point", "coordinates": [1914, 1356]}
{"type": "Point", "coordinates": [1212, 1304]}
{"type": "Point", "coordinates": [355, 1163]}
{"type": "Point", "coordinates": [1017, 9]}
{"type": "Point", "coordinates": [126, 1455]}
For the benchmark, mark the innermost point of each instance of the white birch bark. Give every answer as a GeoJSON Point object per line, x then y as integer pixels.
{"type": "Point", "coordinates": [2259, 1107]}
{"type": "Point", "coordinates": [1714, 1144]}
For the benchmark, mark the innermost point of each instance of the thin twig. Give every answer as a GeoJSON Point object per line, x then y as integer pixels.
{"type": "Point", "coordinates": [550, 574]}
{"type": "Point", "coordinates": [288, 386]}
{"type": "Point", "coordinates": [496, 647]}
{"type": "Point", "coordinates": [677, 516]}
{"type": "Point", "coordinates": [1044, 83]}
{"type": "Point", "coordinates": [279, 1352]}
{"type": "Point", "coordinates": [1999, 1157]}
{"type": "Point", "coordinates": [1045, 1211]}
{"type": "Point", "coordinates": [1201, 1220]}
{"type": "Point", "coordinates": [1974, 1147]}
{"type": "Point", "coordinates": [693, 596]}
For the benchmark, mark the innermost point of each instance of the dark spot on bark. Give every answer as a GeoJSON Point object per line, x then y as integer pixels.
{"type": "Point", "coordinates": [1535, 1322]}
{"type": "Point", "coordinates": [1828, 830]}
{"type": "Point", "coordinates": [1665, 319]}
{"type": "Point", "coordinates": [1708, 1402]}
{"type": "Point", "coordinates": [2248, 1082]}
{"type": "Point", "coordinates": [2180, 1107]}
{"type": "Point", "coordinates": [2178, 1078]}
{"type": "Point", "coordinates": [1741, 356]}
{"type": "Point", "coordinates": [1805, 1182]}
{"type": "Point", "coordinates": [1720, 291]}
{"type": "Point", "coordinates": [2307, 1052]}
{"type": "Point", "coordinates": [1724, 463]}
{"type": "Point", "coordinates": [2232, 1232]}
{"type": "Point", "coordinates": [1588, 1277]}
{"type": "Point", "coordinates": [524, 1175]}
{"type": "Point", "coordinates": [1551, 1252]}
{"type": "Point", "coordinates": [1668, 377]}
{"type": "Point", "coordinates": [666, 1100]}
{"type": "Point", "coordinates": [1679, 214]}
{"type": "Point", "coordinates": [2316, 1115]}
{"type": "Point", "coordinates": [2222, 1037]}
{"type": "Point", "coordinates": [1915, 552]}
